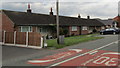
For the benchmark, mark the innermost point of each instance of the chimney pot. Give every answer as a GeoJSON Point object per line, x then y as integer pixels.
{"type": "Point", "coordinates": [79, 16]}
{"type": "Point", "coordinates": [88, 17]}
{"type": "Point", "coordinates": [28, 6]}
{"type": "Point", "coordinates": [51, 12]}
{"type": "Point", "coordinates": [29, 10]}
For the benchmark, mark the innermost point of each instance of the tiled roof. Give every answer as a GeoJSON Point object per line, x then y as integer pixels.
{"type": "Point", "coordinates": [24, 18]}
{"type": "Point", "coordinates": [107, 22]}
{"type": "Point", "coordinates": [117, 19]}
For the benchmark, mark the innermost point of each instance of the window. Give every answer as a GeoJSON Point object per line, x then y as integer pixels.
{"type": "Point", "coordinates": [102, 27]}
{"type": "Point", "coordinates": [74, 28]}
{"type": "Point", "coordinates": [84, 28]}
{"type": "Point", "coordinates": [42, 29]}
{"type": "Point", "coordinates": [26, 29]}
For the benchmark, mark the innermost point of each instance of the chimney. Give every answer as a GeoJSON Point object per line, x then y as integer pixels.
{"type": "Point", "coordinates": [28, 10]}
{"type": "Point", "coordinates": [79, 16]}
{"type": "Point", "coordinates": [51, 12]}
{"type": "Point", "coordinates": [88, 17]}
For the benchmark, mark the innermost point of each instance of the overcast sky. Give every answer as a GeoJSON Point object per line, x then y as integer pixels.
{"type": "Point", "coordinates": [95, 8]}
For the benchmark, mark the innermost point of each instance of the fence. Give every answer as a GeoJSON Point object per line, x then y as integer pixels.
{"type": "Point", "coordinates": [22, 38]}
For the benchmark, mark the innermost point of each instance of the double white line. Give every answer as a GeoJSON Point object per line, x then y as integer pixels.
{"type": "Point", "coordinates": [92, 51]}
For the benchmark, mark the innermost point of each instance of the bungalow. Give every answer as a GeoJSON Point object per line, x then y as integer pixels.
{"type": "Point", "coordinates": [108, 23]}
{"type": "Point", "coordinates": [117, 20]}
{"type": "Point", "coordinates": [46, 24]}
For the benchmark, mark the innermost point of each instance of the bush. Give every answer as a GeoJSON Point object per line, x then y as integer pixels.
{"type": "Point", "coordinates": [63, 31]}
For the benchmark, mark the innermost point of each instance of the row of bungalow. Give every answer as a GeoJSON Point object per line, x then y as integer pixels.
{"type": "Point", "coordinates": [46, 23]}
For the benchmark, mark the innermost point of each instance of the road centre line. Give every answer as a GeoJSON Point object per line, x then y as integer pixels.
{"type": "Point", "coordinates": [83, 54]}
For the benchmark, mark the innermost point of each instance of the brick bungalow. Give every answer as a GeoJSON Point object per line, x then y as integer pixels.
{"type": "Point", "coordinates": [117, 20]}
{"type": "Point", "coordinates": [46, 24]}
{"type": "Point", "coordinates": [108, 23]}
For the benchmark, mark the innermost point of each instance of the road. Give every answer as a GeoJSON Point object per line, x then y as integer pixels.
{"type": "Point", "coordinates": [84, 54]}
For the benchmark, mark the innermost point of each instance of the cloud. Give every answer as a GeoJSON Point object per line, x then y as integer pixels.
{"type": "Point", "coordinates": [119, 7]}
{"type": "Point", "coordinates": [94, 9]}
{"type": "Point", "coordinates": [60, 0]}
{"type": "Point", "coordinates": [14, 6]}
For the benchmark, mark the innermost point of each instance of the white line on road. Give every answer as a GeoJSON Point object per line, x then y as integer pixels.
{"type": "Point", "coordinates": [83, 54]}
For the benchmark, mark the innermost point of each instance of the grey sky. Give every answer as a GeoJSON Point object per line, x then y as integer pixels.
{"type": "Point", "coordinates": [96, 9]}
{"type": "Point", "coordinates": [119, 7]}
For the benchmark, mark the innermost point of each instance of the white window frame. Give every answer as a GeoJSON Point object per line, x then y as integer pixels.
{"type": "Point", "coordinates": [102, 27]}
{"type": "Point", "coordinates": [29, 28]}
{"type": "Point", "coordinates": [84, 28]}
{"type": "Point", "coordinates": [74, 28]}
{"type": "Point", "coordinates": [40, 30]}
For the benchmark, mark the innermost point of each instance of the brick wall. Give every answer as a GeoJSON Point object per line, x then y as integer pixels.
{"type": "Point", "coordinates": [17, 28]}
{"type": "Point", "coordinates": [74, 32]}
{"type": "Point", "coordinates": [118, 20]}
{"type": "Point", "coordinates": [78, 32]}
{"type": "Point", "coordinates": [34, 29]}
{"type": "Point", "coordinates": [7, 24]}
{"type": "Point", "coordinates": [84, 32]}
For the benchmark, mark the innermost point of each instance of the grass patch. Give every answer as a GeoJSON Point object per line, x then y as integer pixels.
{"type": "Point", "coordinates": [72, 40]}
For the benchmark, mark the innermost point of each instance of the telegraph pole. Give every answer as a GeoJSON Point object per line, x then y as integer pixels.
{"type": "Point", "coordinates": [57, 19]}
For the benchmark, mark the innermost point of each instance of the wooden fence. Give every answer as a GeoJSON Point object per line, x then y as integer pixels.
{"type": "Point", "coordinates": [23, 38]}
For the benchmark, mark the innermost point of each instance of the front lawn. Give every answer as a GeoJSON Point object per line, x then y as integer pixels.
{"type": "Point", "coordinates": [72, 40]}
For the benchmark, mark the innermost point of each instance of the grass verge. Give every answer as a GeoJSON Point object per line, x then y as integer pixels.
{"type": "Point", "coordinates": [72, 40]}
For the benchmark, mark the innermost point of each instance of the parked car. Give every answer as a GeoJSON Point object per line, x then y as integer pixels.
{"type": "Point", "coordinates": [110, 31]}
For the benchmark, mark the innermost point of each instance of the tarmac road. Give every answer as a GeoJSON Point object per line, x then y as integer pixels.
{"type": "Point", "coordinates": [16, 56]}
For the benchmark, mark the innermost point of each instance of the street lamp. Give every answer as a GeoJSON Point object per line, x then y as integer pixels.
{"type": "Point", "coordinates": [57, 19]}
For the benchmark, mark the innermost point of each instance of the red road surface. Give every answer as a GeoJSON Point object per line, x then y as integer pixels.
{"type": "Point", "coordinates": [103, 58]}
{"type": "Point", "coordinates": [95, 58]}
{"type": "Point", "coordinates": [56, 57]}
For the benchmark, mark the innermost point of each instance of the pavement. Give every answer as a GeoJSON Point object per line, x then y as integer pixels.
{"type": "Point", "coordinates": [68, 56]}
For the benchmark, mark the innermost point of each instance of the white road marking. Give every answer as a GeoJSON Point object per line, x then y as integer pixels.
{"type": "Point", "coordinates": [77, 50]}
{"type": "Point", "coordinates": [83, 54]}
{"type": "Point", "coordinates": [93, 52]}
{"type": "Point", "coordinates": [116, 42]}
{"type": "Point", "coordinates": [49, 60]}
{"type": "Point", "coordinates": [104, 58]}
{"type": "Point", "coordinates": [114, 53]}
{"type": "Point", "coordinates": [40, 61]}
{"type": "Point", "coordinates": [89, 61]}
